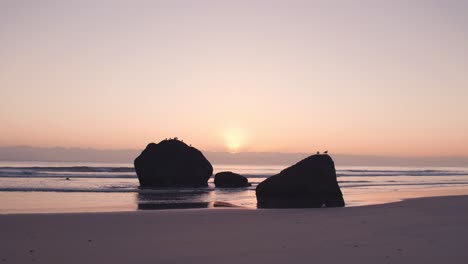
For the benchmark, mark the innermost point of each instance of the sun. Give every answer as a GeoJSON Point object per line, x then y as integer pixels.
{"type": "Point", "coordinates": [234, 139]}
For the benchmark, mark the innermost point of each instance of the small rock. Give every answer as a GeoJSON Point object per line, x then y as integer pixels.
{"type": "Point", "coordinates": [228, 179]}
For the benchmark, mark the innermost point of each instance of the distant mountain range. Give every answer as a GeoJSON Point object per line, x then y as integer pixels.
{"type": "Point", "coordinates": [26, 153]}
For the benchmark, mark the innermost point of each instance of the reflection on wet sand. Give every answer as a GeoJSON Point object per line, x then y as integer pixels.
{"type": "Point", "coordinates": [161, 206]}
{"type": "Point", "coordinates": [177, 199]}
{"type": "Point", "coordinates": [174, 199]}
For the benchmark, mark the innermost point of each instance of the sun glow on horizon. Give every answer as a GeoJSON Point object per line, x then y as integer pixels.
{"type": "Point", "coordinates": [234, 139]}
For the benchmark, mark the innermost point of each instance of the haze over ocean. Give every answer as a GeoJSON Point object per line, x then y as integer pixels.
{"type": "Point", "coordinates": [60, 154]}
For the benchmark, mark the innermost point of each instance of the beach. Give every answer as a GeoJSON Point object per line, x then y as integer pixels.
{"type": "Point", "coordinates": [424, 230]}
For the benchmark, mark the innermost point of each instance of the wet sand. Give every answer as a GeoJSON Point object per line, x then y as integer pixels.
{"type": "Point", "coordinates": [426, 230]}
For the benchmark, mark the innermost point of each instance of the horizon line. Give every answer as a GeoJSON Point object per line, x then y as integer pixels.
{"type": "Point", "coordinates": [244, 152]}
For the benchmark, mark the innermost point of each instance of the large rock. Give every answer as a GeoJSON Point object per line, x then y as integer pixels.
{"type": "Point", "coordinates": [227, 179]}
{"type": "Point", "coordinates": [172, 163]}
{"type": "Point", "coordinates": [309, 183]}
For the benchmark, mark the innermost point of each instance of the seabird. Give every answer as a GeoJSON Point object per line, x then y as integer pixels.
{"type": "Point", "coordinates": [326, 152]}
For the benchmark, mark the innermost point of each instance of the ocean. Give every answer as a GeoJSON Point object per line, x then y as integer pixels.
{"type": "Point", "coordinates": [48, 187]}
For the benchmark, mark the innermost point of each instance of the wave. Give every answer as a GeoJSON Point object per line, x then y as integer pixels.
{"type": "Point", "coordinates": [72, 169]}
{"type": "Point", "coordinates": [204, 190]}
{"type": "Point", "coordinates": [129, 172]}
{"type": "Point", "coordinates": [39, 189]}
{"type": "Point", "coordinates": [64, 175]}
{"type": "Point", "coordinates": [422, 184]}
{"type": "Point", "coordinates": [68, 172]}
{"type": "Point", "coordinates": [200, 190]}
{"type": "Point", "coordinates": [385, 173]}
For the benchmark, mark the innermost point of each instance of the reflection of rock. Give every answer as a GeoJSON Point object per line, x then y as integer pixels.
{"type": "Point", "coordinates": [172, 163]}
{"type": "Point", "coordinates": [173, 200]}
{"type": "Point", "coordinates": [161, 206]}
{"type": "Point", "coordinates": [224, 204]}
{"type": "Point", "coordinates": [309, 183]}
{"type": "Point", "coordinates": [227, 179]}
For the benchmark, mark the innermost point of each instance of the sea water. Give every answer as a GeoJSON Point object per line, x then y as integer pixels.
{"type": "Point", "coordinates": [31, 187]}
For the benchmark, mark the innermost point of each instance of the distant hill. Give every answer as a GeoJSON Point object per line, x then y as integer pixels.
{"type": "Point", "coordinates": [26, 153]}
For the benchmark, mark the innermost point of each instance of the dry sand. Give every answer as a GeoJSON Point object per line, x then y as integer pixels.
{"type": "Point", "coordinates": [427, 230]}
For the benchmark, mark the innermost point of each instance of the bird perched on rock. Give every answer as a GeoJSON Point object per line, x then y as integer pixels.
{"type": "Point", "coordinates": [326, 152]}
{"type": "Point", "coordinates": [318, 152]}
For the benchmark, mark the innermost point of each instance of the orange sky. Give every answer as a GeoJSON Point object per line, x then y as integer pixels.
{"type": "Point", "coordinates": [374, 77]}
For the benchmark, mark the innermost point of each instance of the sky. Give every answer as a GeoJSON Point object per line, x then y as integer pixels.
{"type": "Point", "coordinates": [352, 77]}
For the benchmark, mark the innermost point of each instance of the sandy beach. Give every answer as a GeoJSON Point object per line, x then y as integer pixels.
{"type": "Point", "coordinates": [426, 230]}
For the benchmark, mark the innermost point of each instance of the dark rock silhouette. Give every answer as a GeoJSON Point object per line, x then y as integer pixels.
{"type": "Point", "coordinates": [172, 163]}
{"type": "Point", "coordinates": [227, 179]}
{"type": "Point", "coordinates": [309, 183]}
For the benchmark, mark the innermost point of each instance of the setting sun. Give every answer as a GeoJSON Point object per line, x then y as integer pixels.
{"type": "Point", "coordinates": [234, 139]}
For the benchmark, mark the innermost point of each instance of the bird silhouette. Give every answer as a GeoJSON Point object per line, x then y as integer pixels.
{"type": "Point", "coordinates": [326, 152]}
{"type": "Point", "coordinates": [318, 152]}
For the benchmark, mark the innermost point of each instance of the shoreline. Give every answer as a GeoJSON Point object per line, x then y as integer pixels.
{"type": "Point", "coordinates": [22, 203]}
{"type": "Point", "coordinates": [420, 230]}
{"type": "Point", "coordinates": [103, 189]}
{"type": "Point", "coordinates": [226, 206]}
